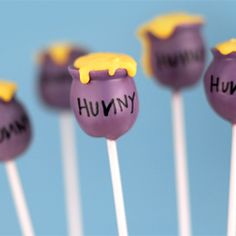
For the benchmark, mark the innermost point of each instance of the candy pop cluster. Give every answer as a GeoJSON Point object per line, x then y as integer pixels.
{"type": "Point", "coordinates": [98, 90]}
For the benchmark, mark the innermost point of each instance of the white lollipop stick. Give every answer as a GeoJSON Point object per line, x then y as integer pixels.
{"type": "Point", "coordinates": [232, 188]}
{"type": "Point", "coordinates": [19, 199]}
{"type": "Point", "coordinates": [69, 159]}
{"type": "Point", "coordinates": [183, 205]}
{"type": "Point", "coordinates": [117, 188]}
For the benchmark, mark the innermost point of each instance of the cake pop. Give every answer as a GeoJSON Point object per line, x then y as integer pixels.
{"type": "Point", "coordinates": [105, 102]}
{"type": "Point", "coordinates": [103, 95]}
{"type": "Point", "coordinates": [54, 87]}
{"type": "Point", "coordinates": [220, 88]}
{"type": "Point", "coordinates": [15, 129]}
{"type": "Point", "coordinates": [220, 80]}
{"type": "Point", "coordinates": [54, 79]}
{"type": "Point", "coordinates": [174, 51]}
{"type": "Point", "coordinates": [15, 136]}
{"type": "Point", "coordinates": [174, 54]}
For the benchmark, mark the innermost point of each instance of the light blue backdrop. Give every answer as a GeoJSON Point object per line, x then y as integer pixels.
{"type": "Point", "coordinates": [146, 153]}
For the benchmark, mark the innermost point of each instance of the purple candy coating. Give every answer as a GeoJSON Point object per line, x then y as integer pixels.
{"type": "Point", "coordinates": [107, 106]}
{"type": "Point", "coordinates": [220, 85]}
{"type": "Point", "coordinates": [55, 81]}
{"type": "Point", "coordinates": [178, 61]}
{"type": "Point", "coordinates": [15, 130]}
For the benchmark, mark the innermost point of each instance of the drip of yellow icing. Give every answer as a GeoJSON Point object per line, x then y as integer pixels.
{"type": "Point", "coordinates": [104, 61]}
{"type": "Point", "coordinates": [60, 53]}
{"type": "Point", "coordinates": [7, 90]}
{"type": "Point", "coordinates": [227, 47]}
{"type": "Point", "coordinates": [163, 27]}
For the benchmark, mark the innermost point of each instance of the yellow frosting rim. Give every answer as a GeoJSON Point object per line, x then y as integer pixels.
{"type": "Point", "coordinates": [7, 90]}
{"type": "Point", "coordinates": [163, 27]}
{"type": "Point", "coordinates": [58, 52]}
{"type": "Point", "coordinates": [104, 61]}
{"type": "Point", "coordinates": [226, 47]}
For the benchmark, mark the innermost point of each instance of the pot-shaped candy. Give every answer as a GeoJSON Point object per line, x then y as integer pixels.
{"type": "Point", "coordinates": [54, 79]}
{"type": "Point", "coordinates": [220, 80]}
{"type": "Point", "coordinates": [103, 94]}
{"type": "Point", "coordinates": [174, 51]}
{"type": "Point", "coordinates": [15, 128]}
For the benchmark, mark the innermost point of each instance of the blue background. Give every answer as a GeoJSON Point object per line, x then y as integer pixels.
{"type": "Point", "coordinates": [146, 152]}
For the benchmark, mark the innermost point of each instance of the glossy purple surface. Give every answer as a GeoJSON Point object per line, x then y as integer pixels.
{"type": "Point", "coordinates": [55, 81]}
{"type": "Point", "coordinates": [107, 106]}
{"type": "Point", "coordinates": [220, 85]}
{"type": "Point", "coordinates": [178, 61]}
{"type": "Point", "coordinates": [15, 130]}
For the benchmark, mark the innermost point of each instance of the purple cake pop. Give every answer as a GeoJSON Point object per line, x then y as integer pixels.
{"type": "Point", "coordinates": [54, 79]}
{"type": "Point", "coordinates": [174, 49]}
{"type": "Point", "coordinates": [103, 94]}
{"type": "Point", "coordinates": [15, 128]}
{"type": "Point", "coordinates": [220, 80]}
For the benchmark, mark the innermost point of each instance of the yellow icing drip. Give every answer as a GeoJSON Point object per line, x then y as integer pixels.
{"type": "Point", "coordinates": [7, 90]}
{"type": "Point", "coordinates": [104, 61]}
{"type": "Point", "coordinates": [227, 47]}
{"type": "Point", "coordinates": [60, 53]}
{"type": "Point", "coordinates": [163, 27]}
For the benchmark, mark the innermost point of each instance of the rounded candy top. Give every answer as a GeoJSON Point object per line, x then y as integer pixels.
{"type": "Point", "coordinates": [54, 79]}
{"type": "Point", "coordinates": [58, 53]}
{"type": "Point", "coordinates": [164, 26]}
{"type": "Point", "coordinates": [7, 90]}
{"type": "Point", "coordinates": [220, 80]}
{"type": "Point", "coordinates": [104, 61]}
{"type": "Point", "coordinates": [15, 128]}
{"type": "Point", "coordinates": [173, 49]}
{"type": "Point", "coordinates": [227, 47]}
{"type": "Point", "coordinates": [103, 95]}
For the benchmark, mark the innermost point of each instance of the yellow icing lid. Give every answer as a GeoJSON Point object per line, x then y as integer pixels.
{"type": "Point", "coordinates": [104, 61]}
{"type": "Point", "coordinates": [227, 47]}
{"type": "Point", "coordinates": [163, 27]}
{"type": "Point", "coordinates": [7, 90]}
{"type": "Point", "coordinates": [58, 52]}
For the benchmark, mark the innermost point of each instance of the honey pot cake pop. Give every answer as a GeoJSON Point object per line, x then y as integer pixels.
{"type": "Point", "coordinates": [103, 94]}
{"type": "Point", "coordinates": [15, 128]}
{"type": "Point", "coordinates": [220, 88]}
{"type": "Point", "coordinates": [105, 102]}
{"type": "Point", "coordinates": [15, 136]}
{"type": "Point", "coordinates": [174, 50]}
{"type": "Point", "coordinates": [54, 79]}
{"type": "Point", "coordinates": [220, 80]}
{"type": "Point", "coordinates": [174, 54]}
{"type": "Point", "coordinates": [54, 86]}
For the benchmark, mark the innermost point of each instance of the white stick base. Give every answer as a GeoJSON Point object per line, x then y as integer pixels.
{"type": "Point", "coordinates": [71, 183]}
{"type": "Point", "coordinates": [19, 199]}
{"type": "Point", "coordinates": [232, 188]}
{"type": "Point", "coordinates": [117, 188]}
{"type": "Point", "coordinates": [181, 166]}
